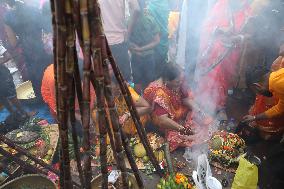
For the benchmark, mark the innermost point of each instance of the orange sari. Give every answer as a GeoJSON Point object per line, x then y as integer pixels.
{"type": "Point", "coordinates": [274, 126]}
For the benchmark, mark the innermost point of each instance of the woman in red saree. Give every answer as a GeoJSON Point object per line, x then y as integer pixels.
{"type": "Point", "coordinates": [219, 52]}
{"type": "Point", "coordinates": [172, 108]}
{"type": "Point", "coordinates": [269, 128]}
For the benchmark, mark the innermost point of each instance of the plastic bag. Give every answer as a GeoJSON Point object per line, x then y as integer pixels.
{"type": "Point", "coordinates": [246, 175]}
{"type": "Point", "coordinates": [203, 177]}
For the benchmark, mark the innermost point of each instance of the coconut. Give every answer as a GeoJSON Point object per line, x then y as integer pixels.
{"type": "Point", "coordinates": [217, 143]}
{"type": "Point", "coordinates": [139, 150]}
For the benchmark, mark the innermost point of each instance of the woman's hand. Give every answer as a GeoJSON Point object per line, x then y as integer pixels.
{"type": "Point", "coordinates": [186, 131]}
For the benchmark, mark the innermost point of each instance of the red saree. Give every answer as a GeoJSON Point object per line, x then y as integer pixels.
{"type": "Point", "coordinates": [269, 127]}
{"type": "Point", "coordinates": [218, 56]}
{"type": "Point", "coordinates": [166, 101]}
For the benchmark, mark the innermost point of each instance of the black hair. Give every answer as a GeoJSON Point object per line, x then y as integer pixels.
{"type": "Point", "coordinates": [170, 71]}
{"type": "Point", "coordinates": [256, 75]}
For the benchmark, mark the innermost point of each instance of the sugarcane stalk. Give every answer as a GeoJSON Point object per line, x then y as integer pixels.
{"type": "Point", "coordinates": [77, 20]}
{"type": "Point", "coordinates": [70, 68]}
{"type": "Point", "coordinates": [99, 87]}
{"type": "Point", "coordinates": [106, 121]}
{"type": "Point", "coordinates": [54, 24]}
{"type": "Point", "coordinates": [25, 152]}
{"type": "Point", "coordinates": [99, 54]}
{"type": "Point", "coordinates": [131, 160]}
{"type": "Point", "coordinates": [62, 108]}
{"type": "Point", "coordinates": [74, 134]}
{"type": "Point", "coordinates": [127, 96]}
{"type": "Point", "coordinates": [98, 77]}
{"type": "Point", "coordinates": [86, 92]}
{"type": "Point", "coordinates": [23, 163]}
{"type": "Point", "coordinates": [118, 129]}
{"type": "Point", "coordinates": [102, 130]}
{"type": "Point", "coordinates": [77, 77]}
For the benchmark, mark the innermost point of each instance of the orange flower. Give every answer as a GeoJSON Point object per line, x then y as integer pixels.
{"type": "Point", "coordinates": [189, 186]}
{"type": "Point", "coordinates": [178, 181]}
{"type": "Point", "coordinates": [180, 178]}
{"type": "Point", "coordinates": [227, 148]}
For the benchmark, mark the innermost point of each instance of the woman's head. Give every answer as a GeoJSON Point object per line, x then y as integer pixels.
{"type": "Point", "coordinates": [172, 75]}
{"type": "Point", "coordinates": [257, 81]}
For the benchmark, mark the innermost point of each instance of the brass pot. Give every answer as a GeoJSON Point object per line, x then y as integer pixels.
{"type": "Point", "coordinates": [32, 181]}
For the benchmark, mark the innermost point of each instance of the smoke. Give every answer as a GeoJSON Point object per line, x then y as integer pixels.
{"type": "Point", "coordinates": [191, 154]}
{"type": "Point", "coordinates": [206, 35]}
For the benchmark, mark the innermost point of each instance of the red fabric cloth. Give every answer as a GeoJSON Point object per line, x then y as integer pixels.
{"type": "Point", "coordinates": [213, 85]}
{"type": "Point", "coordinates": [159, 111]}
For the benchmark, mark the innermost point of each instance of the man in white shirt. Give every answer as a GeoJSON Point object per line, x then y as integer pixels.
{"type": "Point", "coordinates": [116, 30]}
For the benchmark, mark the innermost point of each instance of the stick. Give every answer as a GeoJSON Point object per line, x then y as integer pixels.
{"type": "Point", "coordinates": [127, 96]}
{"type": "Point", "coordinates": [22, 163]}
{"type": "Point", "coordinates": [23, 151]}
{"type": "Point", "coordinates": [61, 90]}
{"type": "Point", "coordinates": [86, 92]}
{"type": "Point", "coordinates": [99, 54]}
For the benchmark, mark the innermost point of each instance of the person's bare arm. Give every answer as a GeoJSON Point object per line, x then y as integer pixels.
{"type": "Point", "coordinates": [165, 122]}
{"type": "Point", "coordinates": [142, 107]}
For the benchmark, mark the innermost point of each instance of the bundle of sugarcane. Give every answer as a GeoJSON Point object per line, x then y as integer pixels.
{"type": "Point", "coordinates": [83, 18]}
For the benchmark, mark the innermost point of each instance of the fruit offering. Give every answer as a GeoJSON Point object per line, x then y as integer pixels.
{"type": "Point", "coordinates": [141, 158]}
{"type": "Point", "coordinates": [225, 148]}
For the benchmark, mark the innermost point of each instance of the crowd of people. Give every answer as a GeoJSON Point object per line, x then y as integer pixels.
{"type": "Point", "coordinates": [233, 47]}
